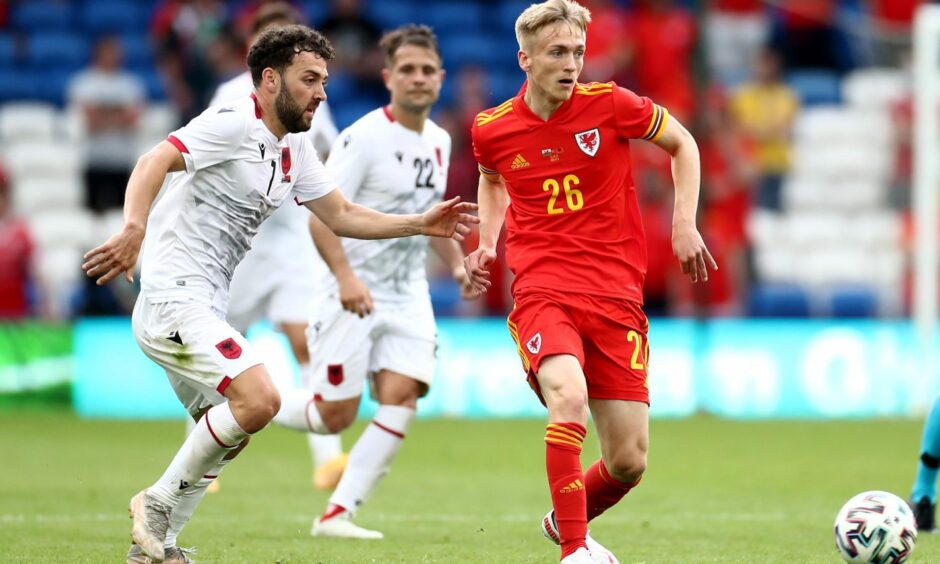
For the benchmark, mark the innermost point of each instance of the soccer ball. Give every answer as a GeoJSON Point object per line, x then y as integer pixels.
{"type": "Point", "coordinates": [875, 527]}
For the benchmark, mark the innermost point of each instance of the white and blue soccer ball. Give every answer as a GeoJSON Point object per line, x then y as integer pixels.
{"type": "Point", "coordinates": [876, 527]}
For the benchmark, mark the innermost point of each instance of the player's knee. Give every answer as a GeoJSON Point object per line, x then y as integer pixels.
{"type": "Point", "coordinates": [569, 404]}
{"type": "Point", "coordinates": [627, 466]}
{"type": "Point", "coordinates": [405, 394]}
{"type": "Point", "coordinates": [260, 408]}
{"type": "Point", "coordinates": [338, 417]}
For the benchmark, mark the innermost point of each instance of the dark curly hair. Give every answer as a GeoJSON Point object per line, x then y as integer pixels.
{"type": "Point", "coordinates": [276, 48]}
{"type": "Point", "coordinates": [409, 34]}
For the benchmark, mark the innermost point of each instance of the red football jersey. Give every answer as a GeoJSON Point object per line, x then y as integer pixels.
{"type": "Point", "coordinates": [573, 223]}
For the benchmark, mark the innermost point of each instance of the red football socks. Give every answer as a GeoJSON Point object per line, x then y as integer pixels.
{"type": "Point", "coordinates": [563, 465]}
{"type": "Point", "coordinates": [601, 490]}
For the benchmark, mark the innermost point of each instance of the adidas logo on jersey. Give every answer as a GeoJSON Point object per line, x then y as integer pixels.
{"type": "Point", "coordinates": [519, 162]}
{"type": "Point", "coordinates": [572, 487]}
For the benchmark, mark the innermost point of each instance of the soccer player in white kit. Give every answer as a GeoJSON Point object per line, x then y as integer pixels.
{"type": "Point", "coordinates": [372, 317]}
{"type": "Point", "coordinates": [276, 279]}
{"type": "Point", "coordinates": [237, 164]}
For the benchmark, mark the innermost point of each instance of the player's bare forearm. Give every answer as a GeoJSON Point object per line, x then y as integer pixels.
{"type": "Point", "coordinates": [330, 248]}
{"type": "Point", "coordinates": [347, 219]}
{"type": "Point", "coordinates": [449, 251]}
{"type": "Point", "coordinates": [119, 253]}
{"type": "Point", "coordinates": [493, 199]}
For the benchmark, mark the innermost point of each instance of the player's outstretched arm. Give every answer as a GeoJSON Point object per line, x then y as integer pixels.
{"type": "Point", "coordinates": [493, 200]}
{"type": "Point", "coordinates": [119, 253]}
{"type": "Point", "coordinates": [451, 253]}
{"type": "Point", "coordinates": [346, 219]}
{"type": "Point", "coordinates": [687, 243]}
{"type": "Point", "coordinates": [353, 293]}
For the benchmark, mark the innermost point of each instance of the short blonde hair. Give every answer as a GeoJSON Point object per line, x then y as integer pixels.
{"type": "Point", "coordinates": [537, 16]}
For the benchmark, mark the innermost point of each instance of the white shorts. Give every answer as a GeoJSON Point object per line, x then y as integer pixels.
{"type": "Point", "coordinates": [264, 287]}
{"type": "Point", "coordinates": [200, 352]}
{"type": "Point", "coordinates": [345, 350]}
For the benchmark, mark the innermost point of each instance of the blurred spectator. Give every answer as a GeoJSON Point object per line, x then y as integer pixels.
{"type": "Point", "coordinates": [764, 110]}
{"type": "Point", "coordinates": [661, 40]}
{"type": "Point", "coordinates": [606, 56]}
{"type": "Point", "coordinates": [735, 31]}
{"type": "Point", "coordinates": [16, 258]}
{"type": "Point", "coordinates": [728, 175]}
{"type": "Point", "coordinates": [4, 14]}
{"type": "Point", "coordinates": [185, 31]}
{"type": "Point", "coordinates": [806, 36]}
{"type": "Point", "coordinates": [110, 100]}
{"type": "Point", "coordinates": [356, 40]}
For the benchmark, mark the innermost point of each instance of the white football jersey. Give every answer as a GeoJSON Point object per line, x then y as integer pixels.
{"type": "Point", "coordinates": [286, 236]}
{"type": "Point", "coordinates": [381, 164]}
{"type": "Point", "coordinates": [237, 174]}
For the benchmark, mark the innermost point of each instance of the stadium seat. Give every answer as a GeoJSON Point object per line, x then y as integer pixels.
{"type": "Point", "coordinates": [16, 85]}
{"type": "Point", "coordinates": [154, 83]}
{"type": "Point", "coordinates": [63, 228]}
{"type": "Point", "coordinates": [348, 112]}
{"type": "Point", "coordinates": [42, 15]}
{"type": "Point", "coordinates": [51, 159]}
{"type": "Point", "coordinates": [27, 121]}
{"type": "Point", "coordinates": [51, 85]}
{"type": "Point", "coordinates": [853, 301]}
{"type": "Point", "coordinates": [113, 16]}
{"type": "Point", "coordinates": [779, 300]}
{"type": "Point", "coordinates": [57, 50]}
{"type": "Point", "coordinates": [816, 87]}
{"type": "Point", "coordinates": [138, 51]}
{"type": "Point", "coordinates": [60, 270]}
{"type": "Point", "coordinates": [157, 121]}
{"type": "Point", "coordinates": [389, 14]}
{"type": "Point", "coordinates": [32, 195]}
{"type": "Point", "coordinates": [8, 50]}
{"type": "Point", "coordinates": [454, 17]}
{"type": "Point", "coordinates": [876, 88]}
{"type": "Point", "coordinates": [507, 12]}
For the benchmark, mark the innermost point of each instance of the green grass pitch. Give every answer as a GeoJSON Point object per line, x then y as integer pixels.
{"type": "Point", "coordinates": [461, 491]}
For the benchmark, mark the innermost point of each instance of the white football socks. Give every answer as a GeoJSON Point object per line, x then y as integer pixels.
{"type": "Point", "coordinates": [188, 502]}
{"type": "Point", "coordinates": [324, 448]}
{"type": "Point", "coordinates": [217, 433]}
{"type": "Point", "coordinates": [299, 412]}
{"type": "Point", "coordinates": [372, 455]}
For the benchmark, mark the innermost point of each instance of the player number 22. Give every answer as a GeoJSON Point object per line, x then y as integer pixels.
{"type": "Point", "coordinates": [640, 353]}
{"type": "Point", "coordinates": [573, 196]}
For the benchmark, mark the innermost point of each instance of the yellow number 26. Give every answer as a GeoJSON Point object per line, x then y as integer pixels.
{"type": "Point", "coordinates": [573, 196]}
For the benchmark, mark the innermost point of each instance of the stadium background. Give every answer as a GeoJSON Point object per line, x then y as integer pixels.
{"type": "Point", "coordinates": [809, 217]}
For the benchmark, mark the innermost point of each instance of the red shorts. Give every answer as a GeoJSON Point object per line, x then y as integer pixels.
{"type": "Point", "coordinates": [607, 335]}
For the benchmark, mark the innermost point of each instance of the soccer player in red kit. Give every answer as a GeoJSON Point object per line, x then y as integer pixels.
{"type": "Point", "coordinates": [555, 161]}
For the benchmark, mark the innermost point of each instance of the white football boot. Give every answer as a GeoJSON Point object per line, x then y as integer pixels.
{"type": "Point", "coordinates": [342, 527]}
{"type": "Point", "coordinates": [580, 556]}
{"type": "Point", "coordinates": [151, 520]}
{"type": "Point", "coordinates": [550, 531]}
{"type": "Point", "coordinates": [136, 555]}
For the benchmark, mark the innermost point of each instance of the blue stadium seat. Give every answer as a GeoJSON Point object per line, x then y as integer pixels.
{"type": "Point", "coordinates": [314, 11]}
{"type": "Point", "coordinates": [348, 111]}
{"type": "Point", "coordinates": [114, 16]}
{"type": "Point", "coordinates": [779, 300]}
{"type": "Point", "coordinates": [8, 51]}
{"type": "Point", "coordinates": [505, 84]}
{"type": "Point", "coordinates": [139, 53]}
{"type": "Point", "coordinates": [51, 85]}
{"type": "Point", "coordinates": [389, 14]}
{"type": "Point", "coordinates": [815, 87]}
{"type": "Point", "coordinates": [506, 14]}
{"type": "Point", "coordinates": [16, 85]}
{"type": "Point", "coordinates": [154, 82]}
{"type": "Point", "coordinates": [58, 49]}
{"type": "Point", "coordinates": [475, 48]}
{"type": "Point", "coordinates": [456, 16]}
{"type": "Point", "coordinates": [42, 15]}
{"type": "Point", "coordinates": [340, 87]}
{"type": "Point", "coordinates": [854, 301]}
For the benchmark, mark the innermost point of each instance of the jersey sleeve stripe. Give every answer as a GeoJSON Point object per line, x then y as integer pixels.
{"type": "Point", "coordinates": [177, 143]}
{"type": "Point", "coordinates": [487, 171]}
{"type": "Point", "coordinates": [662, 125]}
{"type": "Point", "coordinates": [656, 123]}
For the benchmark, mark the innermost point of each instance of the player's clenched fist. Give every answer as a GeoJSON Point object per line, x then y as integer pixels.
{"type": "Point", "coordinates": [449, 219]}
{"type": "Point", "coordinates": [690, 250]}
{"type": "Point", "coordinates": [477, 265]}
{"type": "Point", "coordinates": [118, 254]}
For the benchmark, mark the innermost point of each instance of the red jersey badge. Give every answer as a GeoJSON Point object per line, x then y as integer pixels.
{"type": "Point", "coordinates": [285, 164]}
{"type": "Point", "coordinates": [589, 141]}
